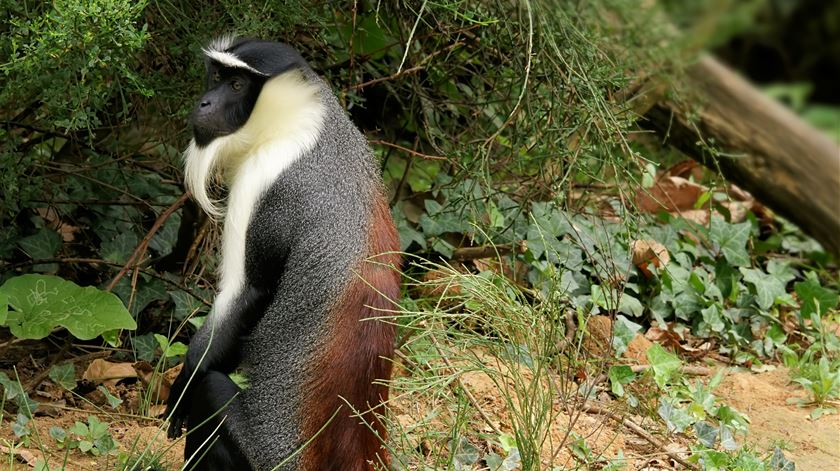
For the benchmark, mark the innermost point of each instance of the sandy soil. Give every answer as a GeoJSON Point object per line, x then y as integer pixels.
{"type": "Point", "coordinates": [813, 445]}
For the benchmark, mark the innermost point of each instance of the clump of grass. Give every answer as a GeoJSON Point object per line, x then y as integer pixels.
{"type": "Point", "coordinates": [484, 328]}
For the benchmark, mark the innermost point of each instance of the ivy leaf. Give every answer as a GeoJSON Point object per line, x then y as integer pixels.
{"type": "Point", "coordinates": [113, 401]}
{"type": "Point", "coordinates": [732, 240]}
{"type": "Point", "coordinates": [706, 433]}
{"type": "Point", "coordinates": [147, 291]}
{"type": "Point", "coordinates": [663, 363]}
{"type": "Point", "coordinates": [676, 418]}
{"type": "Point", "coordinates": [43, 244]}
{"type": "Point", "coordinates": [185, 304]}
{"type": "Point", "coordinates": [58, 434]}
{"type": "Point", "coordinates": [166, 237]}
{"type": "Point", "coordinates": [119, 248]}
{"type": "Point", "coordinates": [815, 299]}
{"type": "Point", "coordinates": [144, 346]}
{"type": "Point", "coordinates": [623, 333]}
{"type": "Point", "coordinates": [779, 463]}
{"type": "Point", "coordinates": [11, 388]}
{"type": "Point", "coordinates": [64, 375]}
{"type": "Point", "coordinates": [4, 308]}
{"type": "Point", "coordinates": [619, 376]}
{"type": "Point", "coordinates": [466, 453]}
{"type": "Point", "coordinates": [41, 303]}
{"type": "Point", "coordinates": [767, 287]}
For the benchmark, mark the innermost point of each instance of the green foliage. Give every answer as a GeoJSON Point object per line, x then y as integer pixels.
{"type": "Point", "coordinates": [92, 437]}
{"type": "Point", "coordinates": [73, 57]}
{"type": "Point", "coordinates": [64, 375]}
{"type": "Point", "coordinates": [40, 303]}
{"type": "Point", "coordinates": [685, 406]}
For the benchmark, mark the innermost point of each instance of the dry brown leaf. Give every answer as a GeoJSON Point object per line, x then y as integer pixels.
{"type": "Point", "coordinates": [668, 338]}
{"type": "Point", "coordinates": [686, 169]}
{"type": "Point", "coordinates": [25, 456]}
{"type": "Point", "coordinates": [54, 222]}
{"type": "Point", "coordinates": [669, 193]}
{"type": "Point", "coordinates": [649, 252]}
{"type": "Point", "coordinates": [154, 382]}
{"type": "Point", "coordinates": [108, 373]}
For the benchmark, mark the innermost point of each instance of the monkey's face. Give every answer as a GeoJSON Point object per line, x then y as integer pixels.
{"type": "Point", "coordinates": [225, 107]}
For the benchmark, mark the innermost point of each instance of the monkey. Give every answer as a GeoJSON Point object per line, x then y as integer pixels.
{"type": "Point", "coordinates": [309, 268]}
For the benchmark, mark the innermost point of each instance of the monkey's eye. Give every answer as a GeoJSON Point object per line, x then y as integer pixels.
{"type": "Point", "coordinates": [236, 85]}
{"type": "Point", "coordinates": [217, 76]}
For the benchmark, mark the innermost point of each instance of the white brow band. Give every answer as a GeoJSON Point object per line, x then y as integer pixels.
{"type": "Point", "coordinates": [229, 59]}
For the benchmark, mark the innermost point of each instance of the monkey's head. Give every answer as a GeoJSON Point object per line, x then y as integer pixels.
{"type": "Point", "coordinates": [259, 94]}
{"type": "Point", "coordinates": [236, 70]}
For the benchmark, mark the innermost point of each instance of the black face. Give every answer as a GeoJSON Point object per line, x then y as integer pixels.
{"type": "Point", "coordinates": [227, 104]}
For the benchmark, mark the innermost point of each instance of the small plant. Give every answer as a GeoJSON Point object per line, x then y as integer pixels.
{"type": "Point", "coordinates": [822, 381]}
{"type": "Point", "coordinates": [92, 437]}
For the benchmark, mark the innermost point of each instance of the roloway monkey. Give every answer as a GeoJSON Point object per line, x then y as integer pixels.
{"type": "Point", "coordinates": [308, 266]}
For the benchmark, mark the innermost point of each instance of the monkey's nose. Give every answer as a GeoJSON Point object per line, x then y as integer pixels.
{"type": "Point", "coordinates": [204, 104]}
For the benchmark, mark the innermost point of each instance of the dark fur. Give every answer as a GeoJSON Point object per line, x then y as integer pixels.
{"type": "Point", "coordinates": [314, 272]}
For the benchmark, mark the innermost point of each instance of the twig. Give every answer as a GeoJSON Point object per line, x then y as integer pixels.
{"type": "Point", "coordinates": [143, 245]}
{"type": "Point", "coordinates": [689, 370]}
{"type": "Point", "coordinates": [406, 149]}
{"type": "Point", "coordinates": [399, 74]}
{"type": "Point", "coordinates": [595, 409]}
{"type": "Point", "coordinates": [487, 251]}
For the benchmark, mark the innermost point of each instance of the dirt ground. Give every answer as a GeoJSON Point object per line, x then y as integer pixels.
{"type": "Point", "coordinates": [813, 445]}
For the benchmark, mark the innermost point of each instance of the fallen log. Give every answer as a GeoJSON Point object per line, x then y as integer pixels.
{"type": "Point", "coordinates": [757, 143]}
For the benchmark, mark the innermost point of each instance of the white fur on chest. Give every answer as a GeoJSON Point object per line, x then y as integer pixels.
{"type": "Point", "coordinates": [285, 124]}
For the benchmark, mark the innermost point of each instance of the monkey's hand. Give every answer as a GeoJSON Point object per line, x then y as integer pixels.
{"type": "Point", "coordinates": [177, 406]}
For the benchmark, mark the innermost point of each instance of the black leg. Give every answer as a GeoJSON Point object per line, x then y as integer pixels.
{"type": "Point", "coordinates": [209, 442]}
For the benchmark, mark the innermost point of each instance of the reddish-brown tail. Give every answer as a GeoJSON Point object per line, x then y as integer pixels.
{"type": "Point", "coordinates": [356, 358]}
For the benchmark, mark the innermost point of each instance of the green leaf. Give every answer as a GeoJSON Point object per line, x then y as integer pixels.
{"type": "Point", "coordinates": [113, 401]}
{"type": "Point", "coordinates": [43, 244]}
{"type": "Point", "coordinates": [166, 237]}
{"type": "Point", "coordinates": [619, 376]}
{"type": "Point", "coordinates": [507, 441]}
{"type": "Point", "coordinates": [706, 433]}
{"type": "Point", "coordinates": [64, 375]}
{"type": "Point", "coordinates": [623, 333]}
{"type": "Point", "coordinates": [676, 418]}
{"type": "Point", "coordinates": [58, 434]}
{"type": "Point", "coordinates": [732, 240]}
{"type": "Point", "coordinates": [664, 364]}
{"type": "Point", "coordinates": [85, 445]}
{"type": "Point", "coordinates": [4, 308]}
{"type": "Point", "coordinates": [779, 463]}
{"type": "Point", "coordinates": [465, 453]}
{"type": "Point", "coordinates": [79, 429]}
{"type": "Point", "coordinates": [96, 427]}
{"type": "Point", "coordinates": [767, 287]}
{"type": "Point", "coordinates": [11, 388]}
{"type": "Point", "coordinates": [119, 248]}
{"type": "Point", "coordinates": [815, 299]}
{"type": "Point", "coordinates": [19, 427]}
{"type": "Point", "coordinates": [147, 292]}
{"type": "Point", "coordinates": [41, 303]}
{"type": "Point", "coordinates": [727, 440]}
{"type": "Point", "coordinates": [185, 304]}
{"type": "Point", "coordinates": [170, 349]}
{"type": "Point", "coordinates": [145, 346]}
